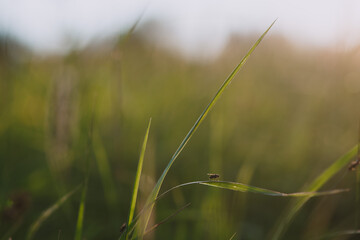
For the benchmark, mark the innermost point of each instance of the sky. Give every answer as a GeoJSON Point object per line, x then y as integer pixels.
{"type": "Point", "coordinates": [190, 25]}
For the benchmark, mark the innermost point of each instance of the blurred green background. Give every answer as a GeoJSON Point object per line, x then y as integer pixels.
{"type": "Point", "coordinates": [290, 113]}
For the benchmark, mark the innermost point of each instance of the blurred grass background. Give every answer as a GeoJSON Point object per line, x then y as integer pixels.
{"type": "Point", "coordinates": [290, 113]}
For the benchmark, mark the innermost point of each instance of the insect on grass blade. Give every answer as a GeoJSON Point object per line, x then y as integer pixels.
{"type": "Point", "coordinates": [153, 195]}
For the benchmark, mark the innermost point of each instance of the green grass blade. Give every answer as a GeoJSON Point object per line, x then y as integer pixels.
{"type": "Point", "coordinates": [247, 188]}
{"type": "Point", "coordinates": [167, 218]}
{"type": "Point", "coordinates": [81, 212]}
{"type": "Point", "coordinates": [104, 169]}
{"type": "Point", "coordinates": [203, 115]}
{"type": "Point", "coordinates": [239, 187]}
{"type": "Point", "coordinates": [297, 204]}
{"type": "Point", "coordinates": [163, 221]}
{"type": "Point", "coordinates": [47, 213]}
{"type": "Point", "coordinates": [232, 237]}
{"type": "Point", "coordinates": [80, 220]}
{"type": "Point", "coordinates": [336, 235]}
{"type": "Point", "coordinates": [138, 175]}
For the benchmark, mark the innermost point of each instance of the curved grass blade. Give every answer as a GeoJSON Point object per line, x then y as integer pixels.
{"type": "Point", "coordinates": [239, 187]}
{"type": "Point", "coordinates": [203, 115]}
{"type": "Point", "coordinates": [339, 234]}
{"type": "Point", "coordinates": [138, 175]}
{"type": "Point", "coordinates": [47, 213]}
{"type": "Point", "coordinates": [297, 204]}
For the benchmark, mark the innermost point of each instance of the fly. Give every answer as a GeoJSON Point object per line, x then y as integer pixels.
{"type": "Point", "coordinates": [213, 176]}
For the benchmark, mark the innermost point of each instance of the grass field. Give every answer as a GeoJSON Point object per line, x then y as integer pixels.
{"type": "Point", "coordinates": [77, 122]}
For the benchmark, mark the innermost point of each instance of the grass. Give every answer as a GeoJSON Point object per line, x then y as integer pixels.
{"type": "Point", "coordinates": [137, 178]}
{"type": "Point", "coordinates": [265, 159]}
{"type": "Point", "coordinates": [203, 115]}
{"type": "Point", "coordinates": [297, 204]}
{"type": "Point", "coordinates": [47, 213]}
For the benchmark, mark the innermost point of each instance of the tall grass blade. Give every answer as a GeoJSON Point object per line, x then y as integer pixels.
{"type": "Point", "coordinates": [104, 169]}
{"type": "Point", "coordinates": [47, 213]}
{"type": "Point", "coordinates": [80, 220]}
{"type": "Point", "coordinates": [81, 212]}
{"type": "Point", "coordinates": [297, 204]}
{"type": "Point", "coordinates": [203, 115]}
{"type": "Point", "coordinates": [138, 175]}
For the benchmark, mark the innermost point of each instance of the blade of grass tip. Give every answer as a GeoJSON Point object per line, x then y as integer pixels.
{"type": "Point", "coordinates": [133, 27]}
{"type": "Point", "coordinates": [203, 115]}
{"type": "Point", "coordinates": [138, 175]}
{"type": "Point", "coordinates": [47, 213]}
{"type": "Point", "coordinates": [297, 204]}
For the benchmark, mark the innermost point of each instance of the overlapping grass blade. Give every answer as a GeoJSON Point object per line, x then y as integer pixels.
{"type": "Point", "coordinates": [297, 204]}
{"type": "Point", "coordinates": [203, 115]}
{"type": "Point", "coordinates": [47, 213]}
{"type": "Point", "coordinates": [138, 175]}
